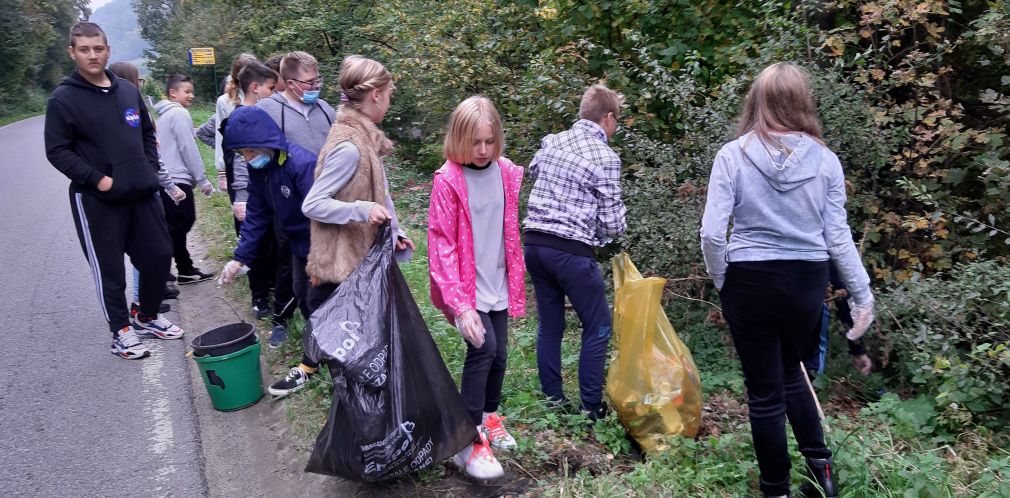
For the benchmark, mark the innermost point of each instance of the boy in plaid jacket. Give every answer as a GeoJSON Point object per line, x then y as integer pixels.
{"type": "Point", "coordinates": [574, 207]}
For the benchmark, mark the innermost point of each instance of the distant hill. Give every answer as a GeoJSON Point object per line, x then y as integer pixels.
{"type": "Point", "coordinates": [119, 21]}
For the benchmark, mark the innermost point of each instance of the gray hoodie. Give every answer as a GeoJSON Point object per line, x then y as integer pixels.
{"type": "Point", "coordinates": [304, 125]}
{"type": "Point", "coordinates": [783, 207]}
{"type": "Point", "coordinates": [178, 144]}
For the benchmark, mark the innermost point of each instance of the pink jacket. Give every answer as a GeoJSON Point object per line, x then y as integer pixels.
{"type": "Point", "coordinates": [452, 268]}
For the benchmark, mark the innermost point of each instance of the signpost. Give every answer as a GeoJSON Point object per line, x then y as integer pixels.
{"type": "Point", "coordinates": [204, 56]}
{"type": "Point", "coordinates": [201, 56]}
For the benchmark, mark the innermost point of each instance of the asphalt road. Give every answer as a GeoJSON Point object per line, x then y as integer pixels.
{"type": "Point", "coordinates": [74, 419]}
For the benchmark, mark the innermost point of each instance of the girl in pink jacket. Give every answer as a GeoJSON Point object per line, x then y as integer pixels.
{"type": "Point", "coordinates": [476, 266]}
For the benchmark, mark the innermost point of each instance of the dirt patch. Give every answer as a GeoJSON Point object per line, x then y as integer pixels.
{"type": "Point", "coordinates": [721, 414]}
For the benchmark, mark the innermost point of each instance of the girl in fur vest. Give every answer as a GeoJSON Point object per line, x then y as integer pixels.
{"type": "Point", "coordinates": [476, 267]}
{"type": "Point", "coordinates": [349, 199]}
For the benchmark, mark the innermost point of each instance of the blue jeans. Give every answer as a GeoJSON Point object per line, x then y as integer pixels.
{"type": "Point", "coordinates": [557, 274]}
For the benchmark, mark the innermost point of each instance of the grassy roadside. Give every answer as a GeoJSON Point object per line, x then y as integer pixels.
{"type": "Point", "coordinates": [884, 445]}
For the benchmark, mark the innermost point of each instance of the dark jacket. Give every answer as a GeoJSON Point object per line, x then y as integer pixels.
{"type": "Point", "coordinates": [93, 132]}
{"type": "Point", "coordinates": [275, 191]}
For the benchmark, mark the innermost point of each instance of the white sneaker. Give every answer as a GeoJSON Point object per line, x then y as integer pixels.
{"type": "Point", "coordinates": [478, 462]}
{"type": "Point", "coordinates": [160, 328]}
{"type": "Point", "coordinates": [127, 345]}
{"type": "Point", "coordinates": [499, 438]}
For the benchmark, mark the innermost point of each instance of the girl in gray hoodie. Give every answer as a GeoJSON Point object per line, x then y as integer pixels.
{"type": "Point", "coordinates": [785, 194]}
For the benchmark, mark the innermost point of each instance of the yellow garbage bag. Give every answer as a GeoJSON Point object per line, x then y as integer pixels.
{"type": "Point", "coordinates": [652, 383]}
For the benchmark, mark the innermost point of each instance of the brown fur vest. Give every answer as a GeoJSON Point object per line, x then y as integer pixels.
{"type": "Point", "coordinates": [335, 250]}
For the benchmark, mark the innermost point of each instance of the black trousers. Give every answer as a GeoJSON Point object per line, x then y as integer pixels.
{"type": "Point", "coordinates": [314, 298]}
{"type": "Point", "coordinates": [773, 309]}
{"type": "Point", "coordinates": [484, 367]}
{"type": "Point", "coordinates": [285, 302]}
{"type": "Point", "coordinates": [180, 218]}
{"type": "Point", "coordinates": [109, 230]}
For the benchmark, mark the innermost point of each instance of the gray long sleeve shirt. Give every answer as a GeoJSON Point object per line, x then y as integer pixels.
{"type": "Point", "coordinates": [304, 125]}
{"type": "Point", "coordinates": [178, 144]}
{"type": "Point", "coordinates": [338, 168]}
{"type": "Point", "coordinates": [784, 206]}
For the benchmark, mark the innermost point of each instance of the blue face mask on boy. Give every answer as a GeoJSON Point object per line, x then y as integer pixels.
{"type": "Point", "coordinates": [310, 97]}
{"type": "Point", "coordinates": [260, 161]}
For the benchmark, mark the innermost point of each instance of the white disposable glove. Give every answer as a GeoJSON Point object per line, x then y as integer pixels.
{"type": "Point", "coordinates": [862, 318]}
{"type": "Point", "coordinates": [206, 187]}
{"type": "Point", "coordinates": [231, 269]}
{"type": "Point", "coordinates": [176, 194]}
{"type": "Point", "coordinates": [470, 327]}
{"type": "Point", "coordinates": [239, 210]}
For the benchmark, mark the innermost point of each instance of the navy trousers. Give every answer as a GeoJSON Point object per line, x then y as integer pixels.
{"type": "Point", "coordinates": [558, 274]}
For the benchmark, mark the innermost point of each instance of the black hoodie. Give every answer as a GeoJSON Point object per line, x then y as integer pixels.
{"type": "Point", "coordinates": [93, 132]}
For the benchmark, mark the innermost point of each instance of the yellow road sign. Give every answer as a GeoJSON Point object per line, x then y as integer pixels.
{"type": "Point", "coordinates": [201, 56]}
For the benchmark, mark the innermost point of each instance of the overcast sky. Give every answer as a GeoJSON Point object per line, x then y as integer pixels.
{"type": "Point", "coordinates": [95, 4]}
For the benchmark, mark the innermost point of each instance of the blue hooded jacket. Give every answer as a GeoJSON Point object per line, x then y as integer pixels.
{"type": "Point", "coordinates": [276, 191]}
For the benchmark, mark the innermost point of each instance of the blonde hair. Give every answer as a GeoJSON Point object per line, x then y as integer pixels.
{"type": "Point", "coordinates": [237, 64]}
{"type": "Point", "coordinates": [359, 76]}
{"type": "Point", "coordinates": [780, 100]}
{"type": "Point", "coordinates": [598, 101]}
{"type": "Point", "coordinates": [293, 62]}
{"type": "Point", "coordinates": [463, 123]}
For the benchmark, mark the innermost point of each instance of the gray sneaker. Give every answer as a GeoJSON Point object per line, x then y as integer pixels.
{"type": "Point", "coordinates": [128, 346]}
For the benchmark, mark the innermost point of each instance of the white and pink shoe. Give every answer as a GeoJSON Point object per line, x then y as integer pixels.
{"type": "Point", "coordinates": [497, 436]}
{"type": "Point", "coordinates": [478, 462]}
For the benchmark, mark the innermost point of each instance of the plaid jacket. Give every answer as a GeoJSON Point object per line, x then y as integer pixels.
{"type": "Point", "coordinates": [576, 187]}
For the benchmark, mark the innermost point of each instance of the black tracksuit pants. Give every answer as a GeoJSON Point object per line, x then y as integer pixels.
{"type": "Point", "coordinates": [108, 230]}
{"type": "Point", "coordinates": [180, 218]}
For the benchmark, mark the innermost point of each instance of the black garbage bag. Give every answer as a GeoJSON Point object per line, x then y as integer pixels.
{"type": "Point", "coordinates": [395, 407]}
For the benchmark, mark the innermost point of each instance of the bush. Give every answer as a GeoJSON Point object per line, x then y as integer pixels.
{"type": "Point", "coordinates": [950, 339]}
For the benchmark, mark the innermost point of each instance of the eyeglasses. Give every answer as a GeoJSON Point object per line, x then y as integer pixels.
{"type": "Point", "coordinates": [316, 83]}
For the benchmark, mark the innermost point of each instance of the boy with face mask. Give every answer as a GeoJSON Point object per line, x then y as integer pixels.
{"type": "Point", "coordinates": [302, 116]}
{"type": "Point", "coordinates": [280, 175]}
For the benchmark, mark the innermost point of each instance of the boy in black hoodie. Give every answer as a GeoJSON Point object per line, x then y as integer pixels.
{"type": "Point", "coordinates": [99, 134]}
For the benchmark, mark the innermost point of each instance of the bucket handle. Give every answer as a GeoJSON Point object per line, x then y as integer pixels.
{"type": "Point", "coordinates": [232, 309]}
{"type": "Point", "coordinates": [214, 380]}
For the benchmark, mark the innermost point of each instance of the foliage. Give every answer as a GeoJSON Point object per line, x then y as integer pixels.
{"type": "Point", "coordinates": [33, 41]}
{"type": "Point", "coordinates": [951, 339]}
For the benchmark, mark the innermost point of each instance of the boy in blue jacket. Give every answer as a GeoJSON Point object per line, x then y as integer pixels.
{"type": "Point", "coordinates": [280, 175]}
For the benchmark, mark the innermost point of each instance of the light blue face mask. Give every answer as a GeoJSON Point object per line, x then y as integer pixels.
{"type": "Point", "coordinates": [260, 161]}
{"type": "Point", "coordinates": [310, 97]}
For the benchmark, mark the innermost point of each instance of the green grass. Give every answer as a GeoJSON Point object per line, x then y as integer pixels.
{"type": "Point", "coordinates": [883, 446]}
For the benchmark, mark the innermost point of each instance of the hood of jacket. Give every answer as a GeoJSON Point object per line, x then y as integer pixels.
{"type": "Point", "coordinates": [784, 170]}
{"type": "Point", "coordinates": [76, 80]}
{"type": "Point", "coordinates": [164, 106]}
{"type": "Point", "coordinates": [250, 127]}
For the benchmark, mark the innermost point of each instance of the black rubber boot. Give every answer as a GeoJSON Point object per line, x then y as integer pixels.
{"type": "Point", "coordinates": [821, 471]}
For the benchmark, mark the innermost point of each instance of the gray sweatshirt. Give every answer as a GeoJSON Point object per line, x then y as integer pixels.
{"type": "Point", "coordinates": [783, 207]}
{"type": "Point", "coordinates": [178, 144]}
{"type": "Point", "coordinates": [304, 125]}
{"type": "Point", "coordinates": [486, 201]}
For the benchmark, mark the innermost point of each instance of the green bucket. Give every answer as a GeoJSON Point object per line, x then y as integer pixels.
{"type": "Point", "coordinates": [233, 381]}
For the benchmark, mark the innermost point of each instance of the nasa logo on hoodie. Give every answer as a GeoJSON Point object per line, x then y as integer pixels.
{"type": "Point", "coordinates": [131, 117]}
